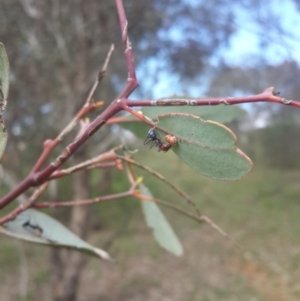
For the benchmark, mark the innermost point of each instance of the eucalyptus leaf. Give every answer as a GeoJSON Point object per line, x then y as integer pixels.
{"type": "Point", "coordinates": [206, 146]}
{"type": "Point", "coordinates": [4, 87]}
{"type": "Point", "coordinates": [37, 227]}
{"type": "Point", "coordinates": [4, 71]}
{"type": "Point", "coordinates": [3, 140]}
{"type": "Point", "coordinates": [162, 230]}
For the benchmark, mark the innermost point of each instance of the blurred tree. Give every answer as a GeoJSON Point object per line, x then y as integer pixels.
{"type": "Point", "coordinates": [56, 47]}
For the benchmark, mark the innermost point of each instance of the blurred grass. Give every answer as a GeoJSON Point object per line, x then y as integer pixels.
{"type": "Point", "coordinates": [261, 213]}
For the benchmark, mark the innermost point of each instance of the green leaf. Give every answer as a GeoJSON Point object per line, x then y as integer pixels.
{"type": "Point", "coordinates": [162, 230]}
{"type": "Point", "coordinates": [4, 87]}
{"type": "Point", "coordinates": [3, 139]}
{"type": "Point", "coordinates": [206, 146]}
{"type": "Point", "coordinates": [4, 71]}
{"type": "Point", "coordinates": [37, 227]}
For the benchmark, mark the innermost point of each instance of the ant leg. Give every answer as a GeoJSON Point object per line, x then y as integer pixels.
{"type": "Point", "coordinates": [154, 143]}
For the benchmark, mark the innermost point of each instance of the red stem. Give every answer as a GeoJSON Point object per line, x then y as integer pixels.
{"type": "Point", "coordinates": [49, 145]}
{"type": "Point", "coordinates": [122, 102]}
{"type": "Point", "coordinates": [132, 82]}
{"type": "Point", "coordinates": [82, 202]}
{"type": "Point", "coordinates": [266, 96]}
{"type": "Point", "coordinates": [35, 179]}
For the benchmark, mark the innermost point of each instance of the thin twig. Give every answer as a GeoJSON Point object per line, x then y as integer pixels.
{"type": "Point", "coordinates": [132, 82]}
{"type": "Point", "coordinates": [200, 219]}
{"type": "Point", "coordinates": [37, 177]}
{"type": "Point", "coordinates": [100, 75]}
{"type": "Point", "coordinates": [25, 205]}
{"type": "Point", "coordinates": [87, 107]}
{"type": "Point", "coordinates": [204, 219]}
{"type": "Point", "coordinates": [111, 197]}
{"type": "Point", "coordinates": [88, 164]}
{"type": "Point", "coordinates": [163, 179]}
{"type": "Point", "coordinates": [266, 96]}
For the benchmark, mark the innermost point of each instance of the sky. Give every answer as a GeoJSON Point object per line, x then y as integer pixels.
{"type": "Point", "coordinates": [246, 42]}
{"type": "Point", "coordinates": [244, 46]}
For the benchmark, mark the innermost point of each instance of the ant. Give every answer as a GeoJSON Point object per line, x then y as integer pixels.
{"type": "Point", "coordinates": [37, 230]}
{"type": "Point", "coordinates": [156, 141]}
{"type": "Point", "coordinates": [276, 93]}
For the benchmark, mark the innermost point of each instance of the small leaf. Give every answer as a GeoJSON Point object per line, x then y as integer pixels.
{"type": "Point", "coordinates": [4, 86]}
{"type": "Point", "coordinates": [4, 71]}
{"type": "Point", "coordinates": [162, 230]}
{"type": "Point", "coordinates": [37, 227]}
{"type": "Point", "coordinates": [206, 146]}
{"type": "Point", "coordinates": [3, 139]}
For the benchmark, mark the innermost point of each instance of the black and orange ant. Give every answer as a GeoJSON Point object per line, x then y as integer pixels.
{"type": "Point", "coordinates": [156, 142]}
